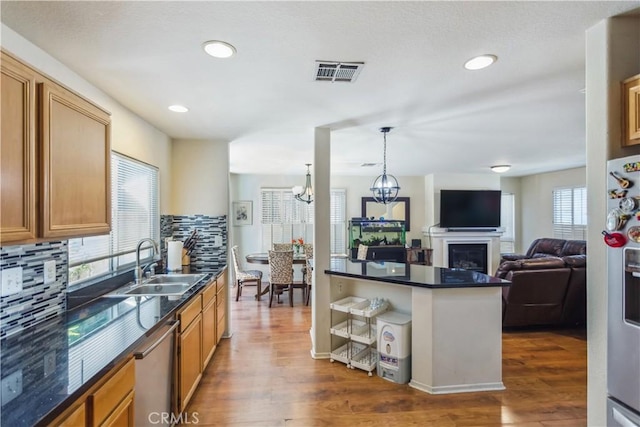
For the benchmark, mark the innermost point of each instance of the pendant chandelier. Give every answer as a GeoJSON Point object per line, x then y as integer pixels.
{"type": "Point", "coordinates": [385, 187]}
{"type": "Point", "coordinates": [304, 194]}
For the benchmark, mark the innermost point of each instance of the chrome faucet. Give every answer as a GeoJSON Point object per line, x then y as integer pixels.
{"type": "Point", "coordinates": [139, 273]}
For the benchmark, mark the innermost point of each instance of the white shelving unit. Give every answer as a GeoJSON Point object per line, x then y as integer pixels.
{"type": "Point", "coordinates": [357, 330]}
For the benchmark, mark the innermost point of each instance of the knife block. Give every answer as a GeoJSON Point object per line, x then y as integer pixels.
{"type": "Point", "coordinates": [186, 261]}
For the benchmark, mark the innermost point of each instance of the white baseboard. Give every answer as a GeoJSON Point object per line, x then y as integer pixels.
{"type": "Point", "coordinates": [463, 388]}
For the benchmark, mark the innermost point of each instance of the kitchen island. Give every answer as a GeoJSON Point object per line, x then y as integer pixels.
{"type": "Point", "coordinates": [456, 333]}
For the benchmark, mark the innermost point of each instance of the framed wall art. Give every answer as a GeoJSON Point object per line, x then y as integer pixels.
{"type": "Point", "coordinates": [242, 212]}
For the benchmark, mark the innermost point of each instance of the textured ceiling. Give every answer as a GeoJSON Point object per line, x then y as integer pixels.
{"type": "Point", "coordinates": [526, 110]}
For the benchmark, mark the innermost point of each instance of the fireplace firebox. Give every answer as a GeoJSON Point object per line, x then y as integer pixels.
{"type": "Point", "coordinates": [468, 256]}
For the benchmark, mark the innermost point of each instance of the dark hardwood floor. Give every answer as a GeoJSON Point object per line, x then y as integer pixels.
{"type": "Point", "coordinates": [264, 376]}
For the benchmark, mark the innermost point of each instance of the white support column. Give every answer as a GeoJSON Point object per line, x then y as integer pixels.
{"type": "Point", "coordinates": [320, 315]}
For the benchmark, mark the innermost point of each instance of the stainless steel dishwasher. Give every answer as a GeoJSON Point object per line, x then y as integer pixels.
{"type": "Point", "coordinates": [154, 374]}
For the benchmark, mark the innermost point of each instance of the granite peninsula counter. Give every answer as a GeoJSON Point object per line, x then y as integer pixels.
{"type": "Point", "coordinates": [456, 334]}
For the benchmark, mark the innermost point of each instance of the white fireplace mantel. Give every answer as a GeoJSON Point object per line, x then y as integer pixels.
{"type": "Point", "coordinates": [440, 238]}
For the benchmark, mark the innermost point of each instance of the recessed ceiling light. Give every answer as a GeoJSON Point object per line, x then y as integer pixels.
{"type": "Point", "coordinates": [500, 168]}
{"type": "Point", "coordinates": [178, 108]}
{"type": "Point", "coordinates": [218, 49]}
{"type": "Point", "coordinates": [480, 62]}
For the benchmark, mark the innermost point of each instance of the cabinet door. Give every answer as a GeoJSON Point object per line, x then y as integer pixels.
{"type": "Point", "coordinates": [17, 152]}
{"type": "Point", "coordinates": [123, 415]}
{"type": "Point", "coordinates": [189, 361]}
{"type": "Point", "coordinates": [77, 418]}
{"type": "Point", "coordinates": [75, 158]}
{"type": "Point", "coordinates": [221, 307]}
{"type": "Point", "coordinates": [107, 400]}
{"type": "Point", "coordinates": [209, 340]}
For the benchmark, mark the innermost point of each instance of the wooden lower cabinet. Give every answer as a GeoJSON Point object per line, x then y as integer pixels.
{"type": "Point", "coordinates": [109, 403]}
{"type": "Point", "coordinates": [202, 322]}
{"type": "Point", "coordinates": [221, 306]}
{"type": "Point", "coordinates": [113, 401]}
{"type": "Point", "coordinates": [190, 365]}
{"type": "Point", "coordinates": [209, 319]}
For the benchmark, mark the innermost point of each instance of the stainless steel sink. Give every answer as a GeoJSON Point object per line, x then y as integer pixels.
{"type": "Point", "coordinates": [168, 289]}
{"type": "Point", "coordinates": [160, 285]}
{"type": "Point", "coordinates": [174, 278]}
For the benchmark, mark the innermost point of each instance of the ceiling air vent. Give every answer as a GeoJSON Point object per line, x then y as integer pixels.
{"type": "Point", "coordinates": [330, 71]}
{"type": "Point", "coordinates": [368, 165]}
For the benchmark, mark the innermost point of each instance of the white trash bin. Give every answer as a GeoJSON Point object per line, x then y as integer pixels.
{"type": "Point", "coordinates": [394, 346]}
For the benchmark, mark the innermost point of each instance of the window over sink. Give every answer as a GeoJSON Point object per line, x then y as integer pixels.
{"type": "Point", "coordinates": [135, 214]}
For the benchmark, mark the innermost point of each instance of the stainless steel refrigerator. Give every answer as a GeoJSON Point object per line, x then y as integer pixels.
{"type": "Point", "coordinates": [623, 346]}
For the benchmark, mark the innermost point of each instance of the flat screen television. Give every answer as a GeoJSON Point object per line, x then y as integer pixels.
{"type": "Point", "coordinates": [470, 208]}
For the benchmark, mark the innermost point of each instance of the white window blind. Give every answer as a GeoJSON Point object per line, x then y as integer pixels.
{"type": "Point", "coordinates": [507, 222]}
{"type": "Point", "coordinates": [570, 213]}
{"type": "Point", "coordinates": [135, 214]}
{"type": "Point", "coordinates": [284, 218]}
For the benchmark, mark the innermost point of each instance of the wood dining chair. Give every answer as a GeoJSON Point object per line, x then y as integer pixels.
{"type": "Point", "coordinates": [244, 276]}
{"type": "Point", "coordinates": [280, 274]}
{"type": "Point", "coordinates": [282, 246]}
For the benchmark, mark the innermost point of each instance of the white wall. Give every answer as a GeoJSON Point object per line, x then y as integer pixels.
{"type": "Point", "coordinates": [200, 177]}
{"type": "Point", "coordinates": [130, 134]}
{"type": "Point", "coordinates": [613, 54]}
{"type": "Point", "coordinates": [537, 202]}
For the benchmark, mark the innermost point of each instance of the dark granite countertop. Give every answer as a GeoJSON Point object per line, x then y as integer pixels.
{"type": "Point", "coordinates": [412, 274]}
{"type": "Point", "coordinates": [85, 344]}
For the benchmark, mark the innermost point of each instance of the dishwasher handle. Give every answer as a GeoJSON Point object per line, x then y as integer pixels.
{"type": "Point", "coordinates": [142, 354]}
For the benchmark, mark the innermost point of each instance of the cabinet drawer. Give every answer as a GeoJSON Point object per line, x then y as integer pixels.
{"type": "Point", "coordinates": [190, 312]}
{"type": "Point", "coordinates": [108, 397]}
{"type": "Point", "coordinates": [208, 294]}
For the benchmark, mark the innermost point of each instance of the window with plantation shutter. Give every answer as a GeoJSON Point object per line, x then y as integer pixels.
{"type": "Point", "coordinates": [135, 214]}
{"type": "Point", "coordinates": [570, 213]}
{"type": "Point", "coordinates": [507, 222]}
{"type": "Point", "coordinates": [284, 218]}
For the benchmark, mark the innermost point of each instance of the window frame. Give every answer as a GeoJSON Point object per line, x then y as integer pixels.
{"type": "Point", "coordinates": [294, 219]}
{"type": "Point", "coordinates": [574, 225]}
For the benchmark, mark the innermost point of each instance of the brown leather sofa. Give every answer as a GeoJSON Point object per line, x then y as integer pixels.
{"type": "Point", "coordinates": [548, 284]}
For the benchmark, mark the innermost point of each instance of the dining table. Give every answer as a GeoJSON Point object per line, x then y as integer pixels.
{"type": "Point", "coordinates": [263, 258]}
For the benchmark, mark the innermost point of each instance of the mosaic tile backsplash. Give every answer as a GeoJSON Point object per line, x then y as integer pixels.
{"type": "Point", "coordinates": [208, 254]}
{"type": "Point", "coordinates": [37, 302]}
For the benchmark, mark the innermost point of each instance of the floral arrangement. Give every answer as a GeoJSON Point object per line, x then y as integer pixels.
{"type": "Point", "coordinates": [297, 243]}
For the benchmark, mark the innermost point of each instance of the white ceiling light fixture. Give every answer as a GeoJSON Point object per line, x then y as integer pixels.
{"type": "Point", "coordinates": [219, 49]}
{"type": "Point", "coordinates": [178, 108]}
{"type": "Point", "coordinates": [500, 168]}
{"type": "Point", "coordinates": [385, 187]}
{"type": "Point", "coordinates": [304, 194]}
{"type": "Point", "coordinates": [480, 62]}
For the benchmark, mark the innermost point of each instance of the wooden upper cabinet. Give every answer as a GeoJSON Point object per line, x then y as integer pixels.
{"type": "Point", "coordinates": [17, 152]}
{"type": "Point", "coordinates": [75, 159]}
{"type": "Point", "coordinates": [631, 111]}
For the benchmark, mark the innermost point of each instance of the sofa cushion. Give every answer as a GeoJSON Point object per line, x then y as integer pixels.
{"type": "Point", "coordinates": [542, 263]}
{"type": "Point", "coordinates": [574, 247]}
{"type": "Point", "coordinates": [575, 261]}
{"type": "Point", "coordinates": [546, 245]}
